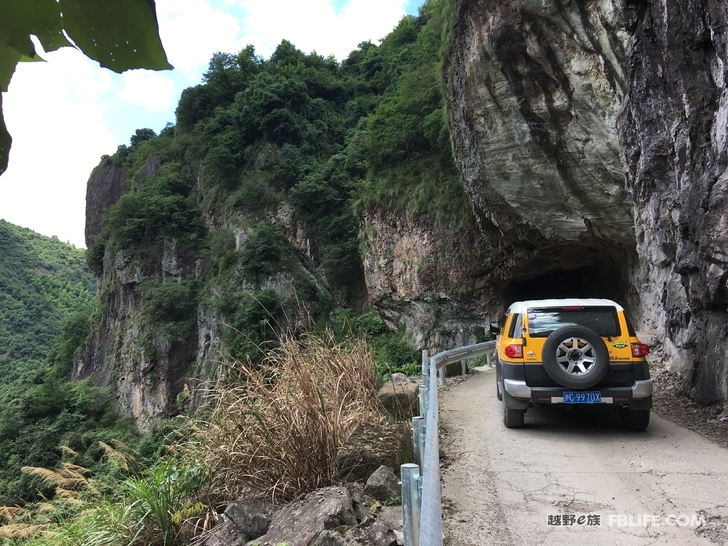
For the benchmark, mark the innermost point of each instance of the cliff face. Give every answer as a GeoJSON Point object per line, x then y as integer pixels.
{"type": "Point", "coordinates": [553, 105]}
{"type": "Point", "coordinates": [426, 277]}
{"type": "Point", "coordinates": [144, 370]}
{"type": "Point", "coordinates": [154, 364]}
{"type": "Point", "coordinates": [535, 90]}
{"type": "Point", "coordinates": [673, 129]}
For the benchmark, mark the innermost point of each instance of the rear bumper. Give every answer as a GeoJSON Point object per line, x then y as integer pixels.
{"type": "Point", "coordinates": [637, 396]}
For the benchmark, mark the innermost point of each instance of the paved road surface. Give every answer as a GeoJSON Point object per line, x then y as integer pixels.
{"type": "Point", "coordinates": [501, 486]}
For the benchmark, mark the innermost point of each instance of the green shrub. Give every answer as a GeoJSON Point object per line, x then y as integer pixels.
{"type": "Point", "coordinates": [171, 304]}
{"type": "Point", "coordinates": [264, 252]}
{"type": "Point", "coordinates": [254, 324]}
{"type": "Point", "coordinates": [393, 353]}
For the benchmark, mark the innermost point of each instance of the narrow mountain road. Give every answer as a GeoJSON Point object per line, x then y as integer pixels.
{"type": "Point", "coordinates": [574, 477]}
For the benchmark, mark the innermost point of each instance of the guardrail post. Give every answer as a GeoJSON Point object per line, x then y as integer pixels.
{"type": "Point", "coordinates": [441, 376]}
{"type": "Point", "coordinates": [418, 438]}
{"type": "Point", "coordinates": [425, 363]}
{"type": "Point", "coordinates": [423, 400]}
{"type": "Point", "coordinates": [463, 367]}
{"type": "Point", "coordinates": [411, 503]}
{"type": "Point", "coordinates": [488, 359]}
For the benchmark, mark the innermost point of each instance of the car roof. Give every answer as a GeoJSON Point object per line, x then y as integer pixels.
{"type": "Point", "coordinates": [521, 306]}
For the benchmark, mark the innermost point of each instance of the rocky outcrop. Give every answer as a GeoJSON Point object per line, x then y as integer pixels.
{"type": "Point", "coordinates": [425, 277]}
{"type": "Point", "coordinates": [105, 186]}
{"type": "Point", "coordinates": [674, 135]}
{"type": "Point", "coordinates": [371, 446]}
{"type": "Point", "coordinates": [399, 397]}
{"type": "Point", "coordinates": [535, 89]}
{"type": "Point", "coordinates": [331, 516]}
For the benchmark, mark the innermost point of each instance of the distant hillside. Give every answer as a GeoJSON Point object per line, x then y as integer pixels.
{"type": "Point", "coordinates": [43, 281]}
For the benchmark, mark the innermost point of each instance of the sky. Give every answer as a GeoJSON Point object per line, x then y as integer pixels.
{"type": "Point", "coordinates": [64, 114]}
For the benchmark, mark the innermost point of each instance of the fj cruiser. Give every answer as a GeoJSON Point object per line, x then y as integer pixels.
{"type": "Point", "coordinates": [568, 352]}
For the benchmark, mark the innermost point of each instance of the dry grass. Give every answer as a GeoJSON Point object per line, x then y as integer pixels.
{"type": "Point", "coordinates": [278, 427]}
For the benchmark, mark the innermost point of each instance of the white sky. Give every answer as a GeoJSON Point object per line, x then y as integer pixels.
{"type": "Point", "coordinates": [66, 113]}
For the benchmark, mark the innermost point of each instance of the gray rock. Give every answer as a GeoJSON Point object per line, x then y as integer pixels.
{"type": "Point", "coordinates": [400, 398]}
{"type": "Point", "coordinates": [347, 536]}
{"type": "Point", "coordinates": [380, 533]}
{"type": "Point", "coordinates": [301, 521]}
{"type": "Point", "coordinates": [242, 521]}
{"type": "Point", "coordinates": [383, 485]}
{"type": "Point", "coordinates": [371, 446]}
{"type": "Point", "coordinates": [675, 156]}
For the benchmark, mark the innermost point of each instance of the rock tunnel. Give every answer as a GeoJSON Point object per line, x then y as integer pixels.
{"type": "Point", "coordinates": [608, 279]}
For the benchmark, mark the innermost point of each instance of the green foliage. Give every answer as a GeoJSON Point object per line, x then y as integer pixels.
{"type": "Point", "coordinates": [162, 500]}
{"type": "Point", "coordinates": [170, 305]}
{"type": "Point", "coordinates": [253, 321]}
{"type": "Point", "coordinates": [42, 282]}
{"type": "Point", "coordinates": [142, 135]}
{"type": "Point", "coordinates": [222, 250]}
{"type": "Point", "coordinates": [264, 252]}
{"type": "Point", "coordinates": [393, 353]}
{"type": "Point", "coordinates": [407, 144]}
{"type": "Point", "coordinates": [164, 207]}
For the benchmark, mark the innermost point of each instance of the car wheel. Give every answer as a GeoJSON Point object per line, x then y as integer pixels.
{"type": "Point", "coordinates": [575, 357]}
{"type": "Point", "coordinates": [513, 418]}
{"type": "Point", "coordinates": [498, 380]}
{"type": "Point", "coordinates": [635, 419]}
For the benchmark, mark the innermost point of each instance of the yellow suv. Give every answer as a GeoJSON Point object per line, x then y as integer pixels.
{"type": "Point", "coordinates": [571, 352]}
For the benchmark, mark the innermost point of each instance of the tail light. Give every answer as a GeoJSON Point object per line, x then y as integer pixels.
{"type": "Point", "coordinates": [640, 349]}
{"type": "Point", "coordinates": [514, 351]}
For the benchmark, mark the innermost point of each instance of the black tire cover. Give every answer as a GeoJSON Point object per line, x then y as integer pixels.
{"type": "Point", "coordinates": [578, 349]}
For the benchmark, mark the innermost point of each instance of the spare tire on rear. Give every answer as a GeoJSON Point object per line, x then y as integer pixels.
{"type": "Point", "coordinates": [575, 357]}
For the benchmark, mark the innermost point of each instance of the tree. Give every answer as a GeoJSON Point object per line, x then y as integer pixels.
{"type": "Point", "coordinates": [141, 135]}
{"type": "Point", "coordinates": [119, 35]}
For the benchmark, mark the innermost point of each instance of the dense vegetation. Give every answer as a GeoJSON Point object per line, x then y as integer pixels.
{"type": "Point", "coordinates": [43, 281]}
{"type": "Point", "coordinates": [46, 300]}
{"type": "Point", "coordinates": [259, 146]}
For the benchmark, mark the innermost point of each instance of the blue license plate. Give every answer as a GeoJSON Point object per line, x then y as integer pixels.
{"type": "Point", "coordinates": [584, 397]}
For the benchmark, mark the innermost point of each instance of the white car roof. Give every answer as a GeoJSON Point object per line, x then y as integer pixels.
{"type": "Point", "coordinates": [522, 306]}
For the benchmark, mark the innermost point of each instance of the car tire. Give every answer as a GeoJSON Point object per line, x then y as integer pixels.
{"type": "Point", "coordinates": [575, 357]}
{"type": "Point", "coordinates": [498, 379]}
{"type": "Point", "coordinates": [513, 418]}
{"type": "Point", "coordinates": [635, 419]}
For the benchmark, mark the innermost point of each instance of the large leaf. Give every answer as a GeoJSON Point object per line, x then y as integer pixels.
{"type": "Point", "coordinates": [9, 58]}
{"type": "Point", "coordinates": [119, 34]}
{"type": "Point", "coordinates": [23, 18]}
{"type": "Point", "coordinates": [5, 140]}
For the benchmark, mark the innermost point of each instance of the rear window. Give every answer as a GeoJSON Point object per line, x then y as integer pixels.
{"type": "Point", "coordinates": [603, 320]}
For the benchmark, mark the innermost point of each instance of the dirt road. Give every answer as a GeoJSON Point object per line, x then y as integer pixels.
{"type": "Point", "coordinates": [574, 477]}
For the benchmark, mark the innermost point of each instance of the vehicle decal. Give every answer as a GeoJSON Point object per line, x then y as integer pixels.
{"type": "Point", "coordinates": [620, 344]}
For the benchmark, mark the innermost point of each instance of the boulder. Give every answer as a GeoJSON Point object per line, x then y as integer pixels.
{"type": "Point", "coordinates": [371, 446]}
{"type": "Point", "coordinates": [383, 485]}
{"type": "Point", "coordinates": [400, 397]}
{"type": "Point", "coordinates": [242, 521]}
{"type": "Point", "coordinates": [301, 521]}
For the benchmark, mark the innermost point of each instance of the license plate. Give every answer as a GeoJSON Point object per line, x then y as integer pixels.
{"type": "Point", "coordinates": [584, 397]}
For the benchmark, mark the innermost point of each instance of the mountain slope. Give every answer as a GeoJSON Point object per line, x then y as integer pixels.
{"type": "Point", "coordinates": [43, 281]}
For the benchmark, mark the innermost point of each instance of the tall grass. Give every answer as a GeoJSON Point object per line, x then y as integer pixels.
{"type": "Point", "coordinates": [278, 426]}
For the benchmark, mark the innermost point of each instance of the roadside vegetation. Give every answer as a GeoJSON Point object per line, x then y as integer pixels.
{"type": "Point", "coordinates": [274, 427]}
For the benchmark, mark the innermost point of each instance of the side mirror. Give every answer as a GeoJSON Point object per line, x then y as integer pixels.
{"type": "Point", "coordinates": [494, 329]}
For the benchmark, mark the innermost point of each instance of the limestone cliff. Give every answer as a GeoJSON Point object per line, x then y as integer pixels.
{"type": "Point", "coordinates": [153, 364]}
{"type": "Point", "coordinates": [673, 130]}
{"type": "Point", "coordinates": [426, 277]}
{"type": "Point", "coordinates": [535, 89]}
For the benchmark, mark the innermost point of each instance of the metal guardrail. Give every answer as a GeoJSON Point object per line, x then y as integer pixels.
{"type": "Point", "coordinates": [421, 503]}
